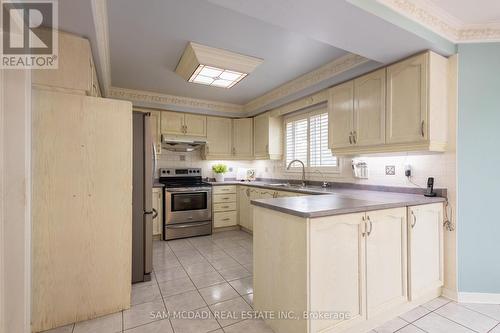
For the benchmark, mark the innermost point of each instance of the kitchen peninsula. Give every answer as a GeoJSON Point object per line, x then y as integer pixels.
{"type": "Point", "coordinates": [357, 258]}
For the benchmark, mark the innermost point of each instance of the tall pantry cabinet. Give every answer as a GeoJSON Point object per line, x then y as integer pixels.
{"type": "Point", "coordinates": [81, 195]}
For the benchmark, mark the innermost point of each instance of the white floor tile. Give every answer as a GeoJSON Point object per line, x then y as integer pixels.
{"type": "Point", "coordinates": [206, 280]}
{"type": "Point", "coordinates": [202, 322]}
{"type": "Point", "coordinates": [249, 326]}
{"type": "Point", "coordinates": [107, 324]}
{"type": "Point", "coordinates": [62, 329]}
{"type": "Point", "coordinates": [433, 323]}
{"type": "Point", "coordinates": [234, 273]}
{"type": "Point", "coordinates": [185, 302]}
{"type": "Point", "coordinates": [174, 287]}
{"type": "Point", "coordinates": [248, 298]}
{"type": "Point", "coordinates": [468, 318]}
{"type": "Point", "coordinates": [436, 303]}
{"type": "Point", "coordinates": [415, 314]}
{"type": "Point", "coordinates": [218, 293]}
{"type": "Point", "coordinates": [491, 310]}
{"type": "Point", "coordinates": [161, 326]}
{"type": "Point", "coordinates": [142, 314]}
{"type": "Point", "coordinates": [243, 286]}
{"type": "Point", "coordinates": [410, 329]}
{"type": "Point", "coordinates": [231, 311]}
{"type": "Point", "coordinates": [391, 326]}
{"type": "Point", "coordinates": [496, 329]}
{"type": "Point", "coordinates": [144, 293]}
{"type": "Point", "coordinates": [172, 273]}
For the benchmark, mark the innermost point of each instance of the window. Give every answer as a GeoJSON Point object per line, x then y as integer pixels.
{"type": "Point", "coordinates": [307, 140]}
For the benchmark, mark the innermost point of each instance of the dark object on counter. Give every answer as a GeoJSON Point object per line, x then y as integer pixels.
{"type": "Point", "coordinates": [429, 192]}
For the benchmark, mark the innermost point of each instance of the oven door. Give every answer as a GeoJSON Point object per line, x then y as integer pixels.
{"type": "Point", "coordinates": [188, 205]}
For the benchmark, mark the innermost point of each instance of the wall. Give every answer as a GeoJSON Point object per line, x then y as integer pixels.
{"type": "Point", "coordinates": [477, 158]}
{"type": "Point", "coordinates": [15, 129]}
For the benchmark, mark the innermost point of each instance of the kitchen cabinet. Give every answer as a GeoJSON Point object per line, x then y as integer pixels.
{"type": "Point", "coordinates": [356, 263]}
{"type": "Point", "coordinates": [341, 115]}
{"type": "Point", "coordinates": [156, 130]}
{"type": "Point", "coordinates": [183, 124]}
{"type": "Point", "coordinates": [369, 109]}
{"type": "Point", "coordinates": [425, 239]}
{"type": "Point", "coordinates": [158, 208]}
{"type": "Point", "coordinates": [267, 137]}
{"type": "Point", "coordinates": [386, 260]}
{"type": "Point", "coordinates": [225, 212]}
{"type": "Point", "coordinates": [244, 207]}
{"type": "Point", "coordinates": [417, 109]}
{"type": "Point", "coordinates": [243, 138]}
{"type": "Point", "coordinates": [75, 73]}
{"type": "Point", "coordinates": [219, 138]}
{"type": "Point", "coordinates": [357, 112]}
{"type": "Point", "coordinates": [403, 107]}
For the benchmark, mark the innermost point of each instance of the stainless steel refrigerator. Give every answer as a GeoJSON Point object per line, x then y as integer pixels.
{"type": "Point", "coordinates": [142, 206]}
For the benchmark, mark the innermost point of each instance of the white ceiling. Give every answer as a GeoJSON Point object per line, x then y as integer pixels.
{"type": "Point", "coordinates": [471, 11]}
{"type": "Point", "coordinates": [147, 39]}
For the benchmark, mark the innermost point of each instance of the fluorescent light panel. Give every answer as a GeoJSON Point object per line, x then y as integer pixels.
{"type": "Point", "coordinates": [216, 77]}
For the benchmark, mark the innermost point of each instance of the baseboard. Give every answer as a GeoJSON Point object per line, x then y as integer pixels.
{"type": "Point", "coordinates": [478, 298]}
{"type": "Point", "coordinates": [450, 294]}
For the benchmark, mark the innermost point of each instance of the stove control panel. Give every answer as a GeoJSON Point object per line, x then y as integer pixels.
{"type": "Point", "coordinates": [187, 172]}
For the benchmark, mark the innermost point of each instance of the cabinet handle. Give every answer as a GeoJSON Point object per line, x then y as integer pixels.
{"type": "Point", "coordinates": [350, 138]}
{"type": "Point", "coordinates": [234, 151]}
{"type": "Point", "coordinates": [371, 226]}
{"type": "Point", "coordinates": [225, 198]}
{"type": "Point", "coordinates": [226, 219]}
{"type": "Point", "coordinates": [207, 150]}
{"type": "Point", "coordinates": [363, 234]}
{"type": "Point", "coordinates": [155, 214]}
{"type": "Point", "coordinates": [267, 149]}
{"type": "Point", "coordinates": [247, 192]}
{"type": "Point", "coordinates": [422, 129]}
{"type": "Point", "coordinates": [414, 220]}
{"type": "Point", "coordinates": [354, 134]}
{"type": "Point", "coordinates": [224, 207]}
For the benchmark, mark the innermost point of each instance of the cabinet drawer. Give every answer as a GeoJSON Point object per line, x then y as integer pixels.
{"type": "Point", "coordinates": [218, 198]}
{"type": "Point", "coordinates": [224, 207]}
{"type": "Point", "coordinates": [224, 219]}
{"type": "Point", "coordinates": [224, 189]}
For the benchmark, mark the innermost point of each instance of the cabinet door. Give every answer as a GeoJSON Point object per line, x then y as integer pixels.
{"type": "Point", "coordinates": [219, 135]}
{"type": "Point", "coordinates": [172, 123]}
{"type": "Point", "coordinates": [74, 71]}
{"type": "Point", "coordinates": [243, 138]}
{"type": "Point", "coordinates": [386, 252]}
{"type": "Point", "coordinates": [156, 129]}
{"type": "Point", "coordinates": [407, 100]}
{"type": "Point", "coordinates": [244, 208]}
{"type": "Point", "coordinates": [195, 125]}
{"type": "Point", "coordinates": [337, 260]}
{"type": "Point", "coordinates": [425, 239]}
{"type": "Point", "coordinates": [157, 206]}
{"type": "Point", "coordinates": [261, 136]}
{"type": "Point", "coordinates": [341, 115]}
{"type": "Point", "coordinates": [369, 109]}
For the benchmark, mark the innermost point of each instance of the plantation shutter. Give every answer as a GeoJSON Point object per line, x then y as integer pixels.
{"type": "Point", "coordinates": [296, 140]}
{"type": "Point", "coordinates": [320, 155]}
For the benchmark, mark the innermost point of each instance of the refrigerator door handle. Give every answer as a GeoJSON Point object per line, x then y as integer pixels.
{"type": "Point", "coordinates": [155, 213]}
{"type": "Point", "coordinates": [155, 157]}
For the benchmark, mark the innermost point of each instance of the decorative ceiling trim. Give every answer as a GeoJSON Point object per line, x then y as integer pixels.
{"type": "Point", "coordinates": [100, 16]}
{"type": "Point", "coordinates": [163, 101]}
{"type": "Point", "coordinates": [331, 69]}
{"type": "Point", "coordinates": [444, 24]}
{"type": "Point", "coordinates": [300, 104]}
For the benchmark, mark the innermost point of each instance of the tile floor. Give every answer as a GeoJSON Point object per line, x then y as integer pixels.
{"type": "Point", "coordinates": [212, 274]}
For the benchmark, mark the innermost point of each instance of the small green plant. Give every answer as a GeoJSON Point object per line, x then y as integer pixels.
{"type": "Point", "coordinates": [219, 168]}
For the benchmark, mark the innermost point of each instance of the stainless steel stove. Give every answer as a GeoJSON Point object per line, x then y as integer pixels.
{"type": "Point", "coordinates": [187, 203]}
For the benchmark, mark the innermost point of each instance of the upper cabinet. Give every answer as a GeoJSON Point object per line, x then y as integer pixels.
{"type": "Point", "coordinates": [183, 124]}
{"type": "Point", "coordinates": [243, 138]}
{"type": "Point", "coordinates": [267, 139]}
{"type": "Point", "coordinates": [219, 138]}
{"type": "Point", "coordinates": [76, 71]}
{"type": "Point", "coordinates": [403, 107]}
{"type": "Point", "coordinates": [229, 138]}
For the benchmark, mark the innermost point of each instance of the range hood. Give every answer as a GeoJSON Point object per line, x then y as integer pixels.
{"type": "Point", "coordinates": [181, 144]}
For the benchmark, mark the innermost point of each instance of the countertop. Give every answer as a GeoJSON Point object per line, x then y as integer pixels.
{"type": "Point", "coordinates": [333, 201]}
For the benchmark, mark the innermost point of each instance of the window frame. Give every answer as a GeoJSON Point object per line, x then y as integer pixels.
{"type": "Point", "coordinates": [297, 168]}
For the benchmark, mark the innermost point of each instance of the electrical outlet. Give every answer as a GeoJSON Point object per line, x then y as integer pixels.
{"type": "Point", "coordinates": [182, 157]}
{"type": "Point", "coordinates": [390, 170]}
{"type": "Point", "coordinates": [230, 169]}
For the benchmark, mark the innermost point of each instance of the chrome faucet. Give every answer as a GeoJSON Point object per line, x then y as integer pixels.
{"type": "Point", "coordinates": [303, 170]}
{"type": "Point", "coordinates": [325, 183]}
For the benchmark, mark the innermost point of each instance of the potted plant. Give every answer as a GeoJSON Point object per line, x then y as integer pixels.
{"type": "Point", "coordinates": [219, 170]}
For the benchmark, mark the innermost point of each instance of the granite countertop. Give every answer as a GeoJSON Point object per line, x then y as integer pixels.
{"type": "Point", "coordinates": [343, 201]}
{"type": "Point", "coordinates": [333, 200]}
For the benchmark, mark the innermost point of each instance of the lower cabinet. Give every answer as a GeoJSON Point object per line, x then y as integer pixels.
{"type": "Point", "coordinates": [158, 211]}
{"type": "Point", "coordinates": [368, 265]}
{"type": "Point", "coordinates": [425, 239]}
{"type": "Point", "coordinates": [224, 206]}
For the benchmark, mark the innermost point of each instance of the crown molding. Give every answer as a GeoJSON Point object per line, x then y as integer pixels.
{"type": "Point", "coordinates": [439, 21]}
{"type": "Point", "coordinates": [325, 72]}
{"type": "Point", "coordinates": [176, 103]}
{"type": "Point", "coordinates": [100, 16]}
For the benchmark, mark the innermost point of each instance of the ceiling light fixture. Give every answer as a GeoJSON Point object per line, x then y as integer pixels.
{"type": "Point", "coordinates": [214, 67]}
